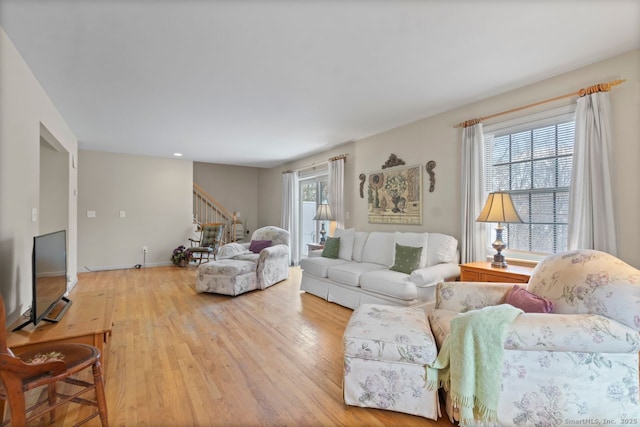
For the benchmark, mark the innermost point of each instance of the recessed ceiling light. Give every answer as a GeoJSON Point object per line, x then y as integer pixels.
{"type": "Point", "coordinates": [177, 154]}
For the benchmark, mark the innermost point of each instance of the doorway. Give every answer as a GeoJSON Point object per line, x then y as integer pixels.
{"type": "Point", "coordinates": [314, 190]}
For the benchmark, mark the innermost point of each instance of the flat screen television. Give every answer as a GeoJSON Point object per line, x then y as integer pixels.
{"type": "Point", "coordinates": [49, 277]}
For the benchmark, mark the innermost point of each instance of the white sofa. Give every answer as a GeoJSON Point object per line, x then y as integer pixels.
{"type": "Point", "coordinates": [361, 274]}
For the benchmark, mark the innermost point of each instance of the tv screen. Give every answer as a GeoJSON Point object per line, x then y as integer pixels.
{"type": "Point", "coordinates": [49, 272]}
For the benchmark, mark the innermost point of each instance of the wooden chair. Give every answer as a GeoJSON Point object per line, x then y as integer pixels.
{"type": "Point", "coordinates": [46, 364]}
{"type": "Point", "coordinates": [210, 241]}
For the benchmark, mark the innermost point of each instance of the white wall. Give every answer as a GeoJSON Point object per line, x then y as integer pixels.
{"type": "Point", "coordinates": [435, 138]}
{"type": "Point", "coordinates": [270, 185]}
{"type": "Point", "coordinates": [25, 112]}
{"type": "Point", "coordinates": [156, 195]}
{"type": "Point", "coordinates": [235, 187]}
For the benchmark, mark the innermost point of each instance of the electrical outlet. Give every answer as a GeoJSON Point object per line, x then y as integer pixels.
{"type": "Point", "coordinates": [145, 249]}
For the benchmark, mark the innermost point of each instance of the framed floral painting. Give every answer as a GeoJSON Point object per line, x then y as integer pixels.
{"type": "Point", "coordinates": [395, 196]}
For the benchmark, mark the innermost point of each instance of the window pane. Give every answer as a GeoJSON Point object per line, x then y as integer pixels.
{"type": "Point", "coordinates": [544, 172]}
{"type": "Point", "coordinates": [500, 152]}
{"type": "Point", "coordinates": [534, 166]}
{"type": "Point", "coordinates": [500, 178]}
{"type": "Point", "coordinates": [520, 177]}
{"type": "Point", "coordinates": [566, 137]}
{"type": "Point", "coordinates": [564, 171]}
{"type": "Point", "coordinates": [521, 146]}
{"type": "Point", "coordinates": [544, 139]}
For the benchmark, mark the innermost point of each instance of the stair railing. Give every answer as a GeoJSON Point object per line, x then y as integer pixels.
{"type": "Point", "coordinates": [206, 209]}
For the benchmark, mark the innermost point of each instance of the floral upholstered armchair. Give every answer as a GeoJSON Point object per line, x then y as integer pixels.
{"type": "Point", "coordinates": [272, 260]}
{"type": "Point", "coordinates": [577, 365]}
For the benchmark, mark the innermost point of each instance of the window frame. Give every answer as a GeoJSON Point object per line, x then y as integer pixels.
{"type": "Point", "coordinates": [528, 122]}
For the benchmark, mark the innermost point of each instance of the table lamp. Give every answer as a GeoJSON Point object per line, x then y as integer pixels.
{"type": "Point", "coordinates": [323, 214]}
{"type": "Point", "coordinates": [499, 208]}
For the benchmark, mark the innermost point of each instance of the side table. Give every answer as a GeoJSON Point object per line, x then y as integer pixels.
{"type": "Point", "coordinates": [314, 246]}
{"type": "Point", "coordinates": [484, 272]}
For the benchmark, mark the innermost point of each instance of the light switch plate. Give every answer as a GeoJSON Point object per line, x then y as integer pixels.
{"type": "Point", "coordinates": [123, 214]}
{"type": "Point", "coordinates": [91, 214]}
{"type": "Point", "coordinates": [34, 214]}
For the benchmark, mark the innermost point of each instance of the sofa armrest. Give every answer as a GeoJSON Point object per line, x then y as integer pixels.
{"type": "Point", "coordinates": [275, 251]}
{"type": "Point", "coordinates": [580, 333]}
{"type": "Point", "coordinates": [465, 296]}
{"type": "Point", "coordinates": [589, 333]}
{"type": "Point", "coordinates": [429, 276]}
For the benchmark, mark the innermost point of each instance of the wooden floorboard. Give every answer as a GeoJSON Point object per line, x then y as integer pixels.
{"type": "Point", "coordinates": [266, 358]}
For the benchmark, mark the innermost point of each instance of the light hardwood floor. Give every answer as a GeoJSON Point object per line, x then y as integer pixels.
{"type": "Point", "coordinates": [265, 358]}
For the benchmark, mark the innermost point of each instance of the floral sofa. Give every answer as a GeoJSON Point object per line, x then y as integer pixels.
{"type": "Point", "coordinates": [361, 273]}
{"type": "Point", "coordinates": [577, 365]}
{"type": "Point", "coordinates": [271, 262]}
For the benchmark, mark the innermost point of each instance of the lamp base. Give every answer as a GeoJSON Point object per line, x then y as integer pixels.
{"type": "Point", "coordinates": [323, 239]}
{"type": "Point", "coordinates": [499, 245]}
{"type": "Point", "coordinates": [498, 261]}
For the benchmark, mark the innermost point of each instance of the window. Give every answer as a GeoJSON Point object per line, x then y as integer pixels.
{"type": "Point", "coordinates": [531, 159]}
{"type": "Point", "coordinates": [314, 190]}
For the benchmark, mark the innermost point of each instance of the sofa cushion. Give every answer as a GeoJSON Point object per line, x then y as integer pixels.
{"type": "Point", "coordinates": [331, 248]}
{"type": "Point", "coordinates": [379, 248]}
{"type": "Point", "coordinates": [347, 238]}
{"type": "Point", "coordinates": [358, 245]}
{"type": "Point", "coordinates": [319, 266]}
{"type": "Point", "coordinates": [389, 283]}
{"type": "Point", "coordinates": [247, 256]}
{"type": "Point", "coordinates": [416, 240]}
{"type": "Point", "coordinates": [407, 259]}
{"type": "Point", "coordinates": [390, 334]}
{"type": "Point", "coordinates": [441, 248]}
{"type": "Point", "coordinates": [349, 273]}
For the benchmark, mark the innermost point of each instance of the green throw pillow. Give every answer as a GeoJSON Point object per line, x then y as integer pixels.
{"type": "Point", "coordinates": [407, 259]}
{"type": "Point", "coordinates": [331, 247]}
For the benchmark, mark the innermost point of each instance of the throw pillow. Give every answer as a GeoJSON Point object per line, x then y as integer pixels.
{"type": "Point", "coordinates": [407, 259]}
{"type": "Point", "coordinates": [331, 247]}
{"type": "Point", "coordinates": [528, 302]}
{"type": "Point", "coordinates": [415, 240]}
{"type": "Point", "coordinates": [257, 245]}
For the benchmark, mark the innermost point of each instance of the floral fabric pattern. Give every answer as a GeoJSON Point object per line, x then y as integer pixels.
{"type": "Point", "coordinates": [227, 277]}
{"type": "Point", "coordinates": [386, 351]}
{"type": "Point", "coordinates": [393, 334]}
{"type": "Point", "coordinates": [578, 365]}
{"type": "Point", "coordinates": [588, 281]}
{"type": "Point", "coordinates": [278, 236]}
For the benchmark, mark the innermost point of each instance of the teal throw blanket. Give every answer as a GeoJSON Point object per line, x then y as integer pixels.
{"type": "Point", "coordinates": [469, 364]}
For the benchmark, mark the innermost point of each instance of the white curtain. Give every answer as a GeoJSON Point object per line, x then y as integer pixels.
{"type": "Point", "coordinates": [591, 219]}
{"type": "Point", "coordinates": [472, 236]}
{"type": "Point", "coordinates": [290, 214]}
{"type": "Point", "coordinates": [336, 191]}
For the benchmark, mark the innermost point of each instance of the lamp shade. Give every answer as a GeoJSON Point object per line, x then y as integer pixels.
{"type": "Point", "coordinates": [499, 208]}
{"type": "Point", "coordinates": [323, 213]}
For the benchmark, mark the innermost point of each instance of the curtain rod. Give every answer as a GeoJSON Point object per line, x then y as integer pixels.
{"type": "Point", "coordinates": [341, 156]}
{"type": "Point", "coordinates": [600, 87]}
{"type": "Point", "coordinates": [338, 157]}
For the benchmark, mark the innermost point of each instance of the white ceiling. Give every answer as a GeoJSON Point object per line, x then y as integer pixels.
{"type": "Point", "coordinates": [257, 83]}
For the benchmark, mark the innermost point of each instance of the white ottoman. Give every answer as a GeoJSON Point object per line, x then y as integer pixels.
{"type": "Point", "coordinates": [386, 350]}
{"type": "Point", "coordinates": [227, 277]}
